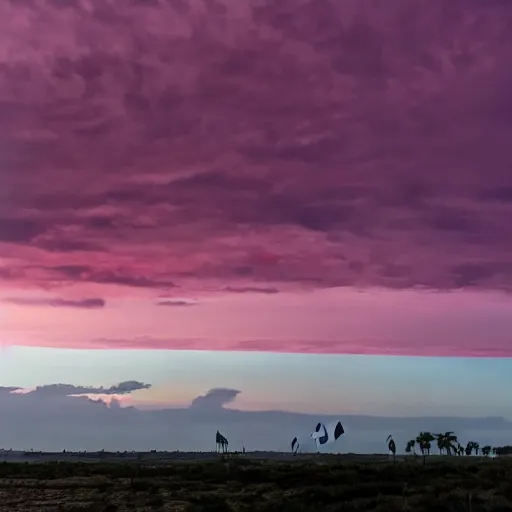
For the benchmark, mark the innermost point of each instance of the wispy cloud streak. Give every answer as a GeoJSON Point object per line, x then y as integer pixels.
{"type": "Point", "coordinates": [90, 303]}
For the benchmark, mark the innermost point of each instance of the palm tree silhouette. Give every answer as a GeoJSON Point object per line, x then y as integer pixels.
{"type": "Point", "coordinates": [391, 447]}
{"type": "Point", "coordinates": [451, 443]}
{"type": "Point", "coordinates": [439, 439]}
{"type": "Point", "coordinates": [486, 450]}
{"type": "Point", "coordinates": [470, 447]}
{"type": "Point", "coordinates": [424, 441]}
{"type": "Point", "coordinates": [447, 442]}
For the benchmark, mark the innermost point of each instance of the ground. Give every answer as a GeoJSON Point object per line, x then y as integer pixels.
{"type": "Point", "coordinates": [252, 483]}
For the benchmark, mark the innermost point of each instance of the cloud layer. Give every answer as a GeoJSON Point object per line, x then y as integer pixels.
{"type": "Point", "coordinates": [56, 390]}
{"type": "Point", "coordinates": [93, 303]}
{"type": "Point", "coordinates": [442, 347]}
{"type": "Point", "coordinates": [52, 418]}
{"type": "Point", "coordinates": [254, 145]}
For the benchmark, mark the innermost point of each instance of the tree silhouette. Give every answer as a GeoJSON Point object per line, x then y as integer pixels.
{"type": "Point", "coordinates": [391, 446]}
{"type": "Point", "coordinates": [424, 441]}
{"type": "Point", "coordinates": [451, 443]}
{"type": "Point", "coordinates": [447, 443]}
{"type": "Point", "coordinates": [440, 443]}
{"type": "Point", "coordinates": [411, 447]}
{"type": "Point", "coordinates": [470, 447]}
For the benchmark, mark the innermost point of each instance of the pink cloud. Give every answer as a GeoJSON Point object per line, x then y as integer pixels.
{"type": "Point", "coordinates": [377, 346]}
{"type": "Point", "coordinates": [89, 303]}
{"type": "Point", "coordinates": [232, 148]}
{"type": "Point", "coordinates": [288, 145]}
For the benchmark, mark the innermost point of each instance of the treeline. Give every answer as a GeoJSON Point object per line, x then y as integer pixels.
{"type": "Point", "coordinates": [448, 444]}
{"type": "Point", "coordinates": [503, 450]}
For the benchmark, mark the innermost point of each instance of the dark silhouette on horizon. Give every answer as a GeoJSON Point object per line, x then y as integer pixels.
{"type": "Point", "coordinates": [221, 443]}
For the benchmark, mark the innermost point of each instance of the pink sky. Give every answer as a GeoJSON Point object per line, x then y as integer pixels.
{"type": "Point", "coordinates": [232, 174]}
{"type": "Point", "coordinates": [334, 320]}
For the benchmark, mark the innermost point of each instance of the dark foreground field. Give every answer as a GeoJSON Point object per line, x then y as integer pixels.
{"type": "Point", "coordinates": [322, 484]}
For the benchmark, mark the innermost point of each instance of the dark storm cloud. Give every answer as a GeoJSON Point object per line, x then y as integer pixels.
{"type": "Point", "coordinates": [256, 145]}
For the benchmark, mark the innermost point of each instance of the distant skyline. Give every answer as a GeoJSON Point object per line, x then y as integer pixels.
{"type": "Point", "coordinates": [304, 201]}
